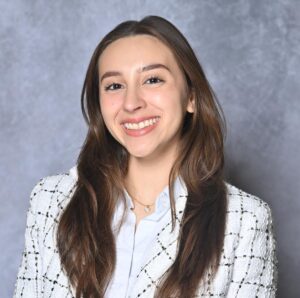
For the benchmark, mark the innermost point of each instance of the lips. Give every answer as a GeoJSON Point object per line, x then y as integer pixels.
{"type": "Point", "coordinates": [141, 126]}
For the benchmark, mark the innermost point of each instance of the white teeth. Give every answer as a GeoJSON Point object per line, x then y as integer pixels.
{"type": "Point", "coordinates": [141, 124]}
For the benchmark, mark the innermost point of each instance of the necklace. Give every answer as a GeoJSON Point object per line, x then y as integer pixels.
{"type": "Point", "coordinates": [147, 208]}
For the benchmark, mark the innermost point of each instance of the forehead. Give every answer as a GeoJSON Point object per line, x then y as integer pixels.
{"type": "Point", "coordinates": [133, 50]}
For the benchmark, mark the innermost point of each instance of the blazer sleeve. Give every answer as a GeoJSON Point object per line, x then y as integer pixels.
{"type": "Point", "coordinates": [255, 261]}
{"type": "Point", "coordinates": [28, 284]}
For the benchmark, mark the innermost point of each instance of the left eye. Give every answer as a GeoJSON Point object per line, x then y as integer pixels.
{"type": "Point", "coordinates": [153, 80]}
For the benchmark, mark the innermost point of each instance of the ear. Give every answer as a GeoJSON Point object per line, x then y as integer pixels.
{"type": "Point", "coordinates": [191, 102]}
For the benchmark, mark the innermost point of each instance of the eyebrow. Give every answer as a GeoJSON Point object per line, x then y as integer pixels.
{"type": "Point", "coordinates": [154, 66]}
{"type": "Point", "coordinates": [144, 68]}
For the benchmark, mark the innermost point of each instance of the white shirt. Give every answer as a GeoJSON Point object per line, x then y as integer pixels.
{"type": "Point", "coordinates": [132, 246]}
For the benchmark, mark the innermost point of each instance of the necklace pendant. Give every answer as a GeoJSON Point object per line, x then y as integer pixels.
{"type": "Point", "coordinates": [147, 209]}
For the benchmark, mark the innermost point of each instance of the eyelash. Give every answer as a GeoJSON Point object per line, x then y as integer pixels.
{"type": "Point", "coordinates": [116, 86]}
{"type": "Point", "coordinates": [109, 87]}
{"type": "Point", "coordinates": [158, 80]}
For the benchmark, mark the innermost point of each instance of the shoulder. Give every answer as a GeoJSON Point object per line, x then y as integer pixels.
{"type": "Point", "coordinates": [53, 192]}
{"type": "Point", "coordinates": [249, 245]}
{"type": "Point", "coordinates": [247, 210]}
{"type": "Point", "coordinates": [40, 268]}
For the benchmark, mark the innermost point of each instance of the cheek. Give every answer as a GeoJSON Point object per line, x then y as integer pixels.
{"type": "Point", "coordinates": [108, 112]}
{"type": "Point", "coordinates": [109, 106]}
{"type": "Point", "coordinates": [170, 101]}
{"type": "Point", "coordinates": [161, 99]}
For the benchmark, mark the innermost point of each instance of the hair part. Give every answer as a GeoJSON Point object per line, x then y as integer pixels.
{"type": "Point", "coordinates": [86, 242]}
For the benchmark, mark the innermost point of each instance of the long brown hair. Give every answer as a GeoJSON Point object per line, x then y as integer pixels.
{"type": "Point", "coordinates": [85, 238]}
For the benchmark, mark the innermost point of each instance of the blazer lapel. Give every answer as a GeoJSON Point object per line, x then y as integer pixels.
{"type": "Point", "coordinates": [161, 256]}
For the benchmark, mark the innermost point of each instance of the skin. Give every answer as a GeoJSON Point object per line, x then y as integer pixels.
{"type": "Point", "coordinates": [140, 79]}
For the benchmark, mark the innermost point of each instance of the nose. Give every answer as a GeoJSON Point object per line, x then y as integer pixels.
{"type": "Point", "coordinates": [133, 99]}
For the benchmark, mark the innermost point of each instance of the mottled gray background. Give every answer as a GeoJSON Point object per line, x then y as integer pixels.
{"type": "Point", "coordinates": [250, 51]}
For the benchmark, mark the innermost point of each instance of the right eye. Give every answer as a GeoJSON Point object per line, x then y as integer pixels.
{"type": "Point", "coordinates": [112, 87]}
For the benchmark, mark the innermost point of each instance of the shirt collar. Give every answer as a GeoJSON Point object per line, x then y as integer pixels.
{"type": "Point", "coordinates": [162, 203]}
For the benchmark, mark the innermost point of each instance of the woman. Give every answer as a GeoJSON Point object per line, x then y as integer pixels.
{"type": "Point", "coordinates": [146, 211]}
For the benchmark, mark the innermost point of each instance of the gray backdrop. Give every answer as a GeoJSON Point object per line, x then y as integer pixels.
{"type": "Point", "coordinates": [250, 52]}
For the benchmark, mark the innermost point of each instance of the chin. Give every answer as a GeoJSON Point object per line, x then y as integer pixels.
{"type": "Point", "coordinates": [142, 153]}
{"type": "Point", "coordinates": [139, 155]}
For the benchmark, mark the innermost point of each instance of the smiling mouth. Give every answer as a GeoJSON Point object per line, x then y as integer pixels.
{"type": "Point", "coordinates": [141, 124]}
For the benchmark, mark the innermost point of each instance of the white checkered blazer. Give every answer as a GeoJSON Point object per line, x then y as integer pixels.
{"type": "Point", "coordinates": [248, 265]}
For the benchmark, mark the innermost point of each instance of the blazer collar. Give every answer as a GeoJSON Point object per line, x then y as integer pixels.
{"type": "Point", "coordinates": [161, 256]}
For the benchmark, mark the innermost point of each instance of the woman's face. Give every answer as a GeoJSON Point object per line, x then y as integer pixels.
{"type": "Point", "coordinates": [143, 96]}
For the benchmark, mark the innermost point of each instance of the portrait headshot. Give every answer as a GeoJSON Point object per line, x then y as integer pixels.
{"type": "Point", "coordinates": [157, 149]}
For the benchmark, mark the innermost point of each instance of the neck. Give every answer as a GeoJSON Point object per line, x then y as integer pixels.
{"type": "Point", "coordinates": [146, 179]}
